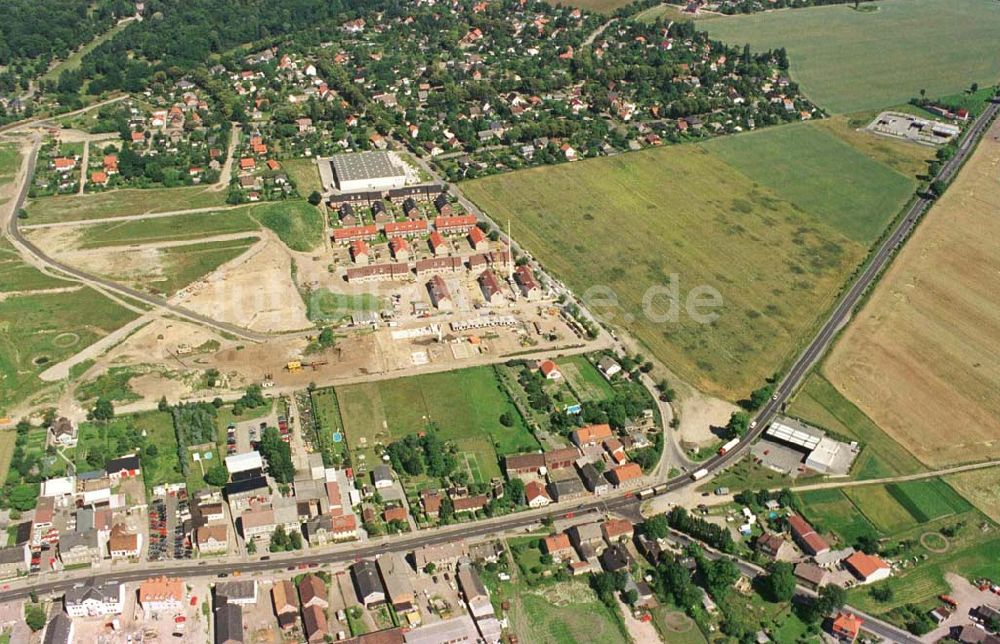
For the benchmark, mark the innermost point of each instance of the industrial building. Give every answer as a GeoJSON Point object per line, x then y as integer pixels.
{"type": "Point", "coordinates": [367, 171]}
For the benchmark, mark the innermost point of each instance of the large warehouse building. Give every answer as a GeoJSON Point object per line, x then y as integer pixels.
{"type": "Point", "coordinates": [367, 171]}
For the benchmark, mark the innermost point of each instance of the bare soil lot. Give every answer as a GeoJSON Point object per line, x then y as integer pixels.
{"type": "Point", "coordinates": [923, 357]}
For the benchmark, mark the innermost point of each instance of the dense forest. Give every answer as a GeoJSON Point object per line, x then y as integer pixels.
{"type": "Point", "coordinates": [54, 28]}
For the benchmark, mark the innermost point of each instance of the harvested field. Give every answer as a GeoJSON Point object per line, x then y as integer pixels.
{"type": "Point", "coordinates": [922, 358]}
{"type": "Point", "coordinates": [981, 488]}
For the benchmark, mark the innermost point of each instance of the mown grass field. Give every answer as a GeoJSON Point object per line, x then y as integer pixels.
{"type": "Point", "coordinates": [819, 403]}
{"type": "Point", "coordinates": [165, 229]}
{"type": "Point", "coordinates": [921, 357]}
{"type": "Point", "coordinates": [881, 508]}
{"type": "Point", "coordinates": [682, 217]}
{"type": "Point", "coordinates": [848, 60]}
{"type": "Point", "coordinates": [981, 488]}
{"type": "Point", "coordinates": [39, 330]}
{"type": "Point", "coordinates": [849, 191]}
{"type": "Point", "coordinates": [120, 203]}
{"type": "Point", "coordinates": [304, 174]}
{"type": "Point", "coordinates": [7, 439]}
{"type": "Point", "coordinates": [830, 510]}
{"type": "Point", "coordinates": [464, 406]}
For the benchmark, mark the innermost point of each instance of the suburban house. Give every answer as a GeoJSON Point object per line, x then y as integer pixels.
{"type": "Point", "coordinates": [160, 594]}
{"type": "Point", "coordinates": [490, 286]}
{"type": "Point", "coordinates": [590, 435]}
{"type": "Point", "coordinates": [212, 538]}
{"type": "Point", "coordinates": [625, 475]}
{"type": "Point", "coordinates": [438, 245]}
{"type": "Point", "coordinates": [439, 293]}
{"type": "Point", "coordinates": [528, 284]}
{"type": "Point", "coordinates": [558, 546]}
{"type": "Point", "coordinates": [286, 603]}
{"type": "Point", "coordinates": [91, 599]}
{"type": "Point", "coordinates": [359, 251]}
{"type": "Point", "coordinates": [123, 467]}
{"type": "Point", "coordinates": [608, 367]}
{"type": "Point", "coordinates": [454, 224]}
{"type": "Point", "coordinates": [326, 528]}
{"type": "Point", "coordinates": [430, 501]}
{"type": "Point", "coordinates": [617, 530]}
{"type": "Point", "coordinates": [846, 626]}
{"type": "Point", "coordinates": [312, 592]}
{"type": "Point", "coordinates": [587, 538]}
{"type": "Point", "coordinates": [810, 574]}
{"type": "Point", "coordinates": [395, 573]}
{"type": "Point", "coordinates": [867, 568]}
{"type": "Point", "coordinates": [773, 545]}
{"type": "Point", "coordinates": [615, 558]}
{"type": "Point", "coordinates": [550, 370]}
{"type": "Point", "coordinates": [592, 479]}
{"type": "Point", "coordinates": [382, 477]}
{"type": "Point", "coordinates": [400, 249]}
{"type": "Point", "coordinates": [535, 495]}
{"type": "Point", "coordinates": [807, 538]}
{"type": "Point", "coordinates": [62, 433]}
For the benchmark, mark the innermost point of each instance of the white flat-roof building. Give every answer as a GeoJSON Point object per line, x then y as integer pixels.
{"type": "Point", "coordinates": [59, 487]}
{"type": "Point", "coordinates": [243, 462]}
{"type": "Point", "coordinates": [367, 171]}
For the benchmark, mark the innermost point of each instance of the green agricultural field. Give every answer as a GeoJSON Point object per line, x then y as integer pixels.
{"type": "Point", "coordinates": [167, 229]}
{"type": "Point", "coordinates": [818, 402]}
{"type": "Point", "coordinates": [829, 510]}
{"type": "Point", "coordinates": [15, 275]}
{"type": "Point", "coordinates": [881, 508]}
{"type": "Point", "coordinates": [120, 203]}
{"type": "Point", "coordinates": [39, 330]}
{"type": "Point", "coordinates": [929, 499]}
{"type": "Point", "coordinates": [304, 174]}
{"type": "Point", "coordinates": [464, 406]}
{"type": "Point", "coordinates": [820, 174]}
{"type": "Point", "coordinates": [565, 613]}
{"type": "Point", "coordinates": [638, 225]}
{"type": "Point", "coordinates": [298, 224]}
{"type": "Point", "coordinates": [848, 60]}
{"type": "Point", "coordinates": [584, 378]}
